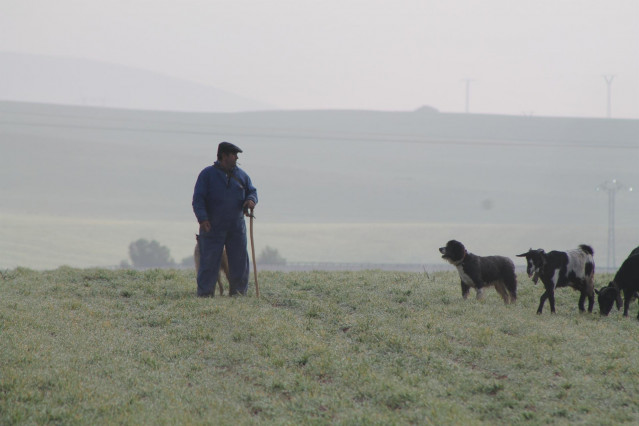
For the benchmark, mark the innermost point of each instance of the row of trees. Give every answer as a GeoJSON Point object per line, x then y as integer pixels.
{"type": "Point", "coordinates": [145, 254]}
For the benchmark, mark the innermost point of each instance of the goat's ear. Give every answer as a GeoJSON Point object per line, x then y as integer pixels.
{"type": "Point", "coordinates": [596, 291]}
{"type": "Point", "coordinates": [522, 255]}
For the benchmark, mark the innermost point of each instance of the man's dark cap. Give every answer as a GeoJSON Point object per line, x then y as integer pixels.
{"type": "Point", "coordinates": [227, 147]}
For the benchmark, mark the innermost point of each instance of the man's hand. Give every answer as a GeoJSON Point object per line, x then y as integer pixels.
{"type": "Point", "coordinates": [248, 207]}
{"type": "Point", "coordinates": [205, 226]}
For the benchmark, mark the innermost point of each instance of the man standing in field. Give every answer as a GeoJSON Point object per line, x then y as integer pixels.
{"type": "Point", "coordinates": [223, 195]}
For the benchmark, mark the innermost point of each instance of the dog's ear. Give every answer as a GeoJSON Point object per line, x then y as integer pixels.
{"type": "Point", "coordinates": [596, 291]}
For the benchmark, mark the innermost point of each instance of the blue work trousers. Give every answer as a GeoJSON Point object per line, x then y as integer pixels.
{"type": "Point", "coordinates": [212, 245]}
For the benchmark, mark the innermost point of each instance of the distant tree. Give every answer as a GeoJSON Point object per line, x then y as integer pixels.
{"type": "Point", "coordinates": [145, 254]}
{"type": "Point", "coordinates": [188, 262]}
{"type": "Point", "coordinates": [270, 256]}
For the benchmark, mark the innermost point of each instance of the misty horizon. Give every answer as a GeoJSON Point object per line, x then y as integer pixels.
{"type": "Point", "coordinates": [80, 183]}
{"type": "Point", "coordinates": [543, 59]}
{"type": "Point", "coordinates": [374, 131]}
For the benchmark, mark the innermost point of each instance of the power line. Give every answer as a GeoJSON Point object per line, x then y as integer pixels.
{"type": "Point", "coordinates": [467, 81]}
{"type": "Point", "coordinates": [609, 79]}
{"type": "Point", "coordinates": [611, 187]}
{"type": "Point", "coordinates": [300, 133]}
{"type": "Point", "coordinates": [313, 134]}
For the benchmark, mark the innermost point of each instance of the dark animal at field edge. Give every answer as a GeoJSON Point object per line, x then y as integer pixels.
{"type": "Point", "coordinates": [572, 268]}
{"type": "Point", "coordinates": [479, 272]}
{"type": "Point", "coordinates": [626, 280]}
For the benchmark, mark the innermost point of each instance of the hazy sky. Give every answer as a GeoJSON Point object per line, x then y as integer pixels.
{"type": "Point", "coordinates": [541, 57]}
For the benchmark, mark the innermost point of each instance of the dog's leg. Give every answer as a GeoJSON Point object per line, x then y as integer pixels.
{"type": "Point", "coordinates": [224, 267]}
{"type": "Point", "coordinates": [196, 255]}
{"type": "Point", "coordinates": [465, 290]}
{"type": "Point", "coordinates": [501, 289]}
{"type": "Point", "coordinates": [511, 287]}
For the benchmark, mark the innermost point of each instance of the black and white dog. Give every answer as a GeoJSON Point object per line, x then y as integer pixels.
{"type": "Point", "coordinates": [572, 268]}
{"type": "Point", "coordinates": [479, 272]}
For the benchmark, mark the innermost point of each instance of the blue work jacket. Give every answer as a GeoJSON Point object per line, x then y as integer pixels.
{"type": "Point", "coordinates": [218, 197]}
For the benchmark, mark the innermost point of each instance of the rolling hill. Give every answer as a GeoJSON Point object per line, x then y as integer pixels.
{"type": "Point", "coordinates": [84, 82]}
{"type": "Point", "coordinates": [452, 175]}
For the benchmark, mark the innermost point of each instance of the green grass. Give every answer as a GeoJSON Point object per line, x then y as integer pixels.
{"type": "Point", "coordinates": [93, 346]}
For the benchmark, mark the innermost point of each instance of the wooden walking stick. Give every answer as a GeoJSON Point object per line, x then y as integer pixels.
{"type": "Point", "coordinates": [257, 287]}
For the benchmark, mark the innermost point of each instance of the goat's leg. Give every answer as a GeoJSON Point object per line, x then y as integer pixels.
{"type": "Point", "coordinates": [582, 298]}
{"type": "Point", "coordinates": [542, 300]}
{"type": "Point", "coordinates": [591, 302]}
{"type": "Point", "coordinates": [551, 299]}
{"type": "Point", "coordinates": [627, 295]}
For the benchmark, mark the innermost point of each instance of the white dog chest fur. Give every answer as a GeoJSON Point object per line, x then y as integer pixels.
{"type": "Point", "coordinates": [465, 278]}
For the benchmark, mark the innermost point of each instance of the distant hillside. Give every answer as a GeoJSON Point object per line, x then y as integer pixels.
{"type": "Point", "coordinates": [443, 127]}
{"type": "Point", "coordinates": [318, 166]}
{"type": "Point", "coordinates": [70, 81]}
{"type": "Point", "coordinates": [345, 186]}
{"type": "Point", "coordinates": [423, 125]}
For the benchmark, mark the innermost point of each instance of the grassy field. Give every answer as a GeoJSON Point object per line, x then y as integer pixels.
{"type": "Point", "coordinates": [93, 346]}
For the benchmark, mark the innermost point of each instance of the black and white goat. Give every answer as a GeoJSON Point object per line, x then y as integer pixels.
{"type": "Point", "coordinates": [573, 268]}
{"type": "Point", "coordinates": [626, 280]}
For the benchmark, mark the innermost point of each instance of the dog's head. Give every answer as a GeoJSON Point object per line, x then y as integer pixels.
{"type": "Point", "coordinates": [607, 296]}
{"type": "Point", "coordinates": [454, 252]}
{"type": "Point", "coordinates": [535, 261]}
